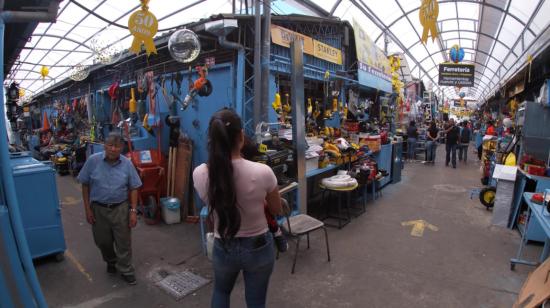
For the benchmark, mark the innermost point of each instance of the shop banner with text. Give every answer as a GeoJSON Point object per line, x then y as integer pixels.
{"type": "Point", "coordinates": [373, 65]}
{"type": "Point", "coordinates": [282, 37]}
{"type": "Point", "coordinates": [451, 74]}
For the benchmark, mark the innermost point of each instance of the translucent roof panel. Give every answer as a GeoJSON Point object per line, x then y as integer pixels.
{"type": "Point", "coordinates": [487, 30]}
{"type": "Point", "coordinates": [496, 35]}
{"type": "Point", "coordinates": [81, 24]}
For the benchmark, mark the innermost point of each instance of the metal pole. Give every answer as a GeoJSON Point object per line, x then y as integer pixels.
{"type": "Point", "coordinates": [9, 190]}
{"type": "Point", "coordinates": [265, 58]}
{"type": "Point", "coordinates": [298, 121]}
{"type": "Point", "coordinates": [257, 64]}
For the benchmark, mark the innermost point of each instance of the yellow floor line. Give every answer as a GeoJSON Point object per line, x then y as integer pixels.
{"type": "Point", "coordinates": [79, 266]}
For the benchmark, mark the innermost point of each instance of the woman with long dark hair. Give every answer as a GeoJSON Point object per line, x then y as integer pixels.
{"type": "Point", "coordinates": [235, 190]}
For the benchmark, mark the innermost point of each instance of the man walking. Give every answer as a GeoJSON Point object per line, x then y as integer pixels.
{"type": "Point", "coordinates": [451, 142]}
{"type": "Point", "coordinates": [464, 140]}
{"type": "Point", "coordinates": [107, 179]}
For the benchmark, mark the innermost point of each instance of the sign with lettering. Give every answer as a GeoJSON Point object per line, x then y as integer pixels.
{"type": "Point", "coordinates": [143, 25]}
{"type": "Point", "coordinates": [283, 37]}
{"type": "Point", "coordinates": [327, 52]}
{"type": "Point", "coordinates": [451, 74]}
{"type": "Point", "coordinates": [374, 67]}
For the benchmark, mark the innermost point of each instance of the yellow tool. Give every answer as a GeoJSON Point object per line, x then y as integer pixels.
{"type": "Point", "coordinates": [317, 112]}
{"type": "Point", "coordinates": [132, 103]}
{"type": "Point", "coordinates": [277, 103]}
{"type": "Point", "coordinates": [309, 107]}
{"type": "Point", "coordinates": [286, 107]}
{"type": "Point", "coordinates": [334, 104]}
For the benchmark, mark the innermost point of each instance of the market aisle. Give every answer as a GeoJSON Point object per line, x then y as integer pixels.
{"type": "Point", "coordinates": [377, 263]}
{"type": "Point", "coordinates": [375, 260]}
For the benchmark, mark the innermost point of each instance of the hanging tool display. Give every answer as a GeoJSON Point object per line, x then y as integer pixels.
{"type": "Point", "coordinates": [201, 86]}
{"type": "Point", "coordinates": [132, 106]}
{"type": "Point", "coordinates": [286, 107]}
{"type": "Point", "coordinates": [327, 112]}
{"type": "Point", "coordinates": [114, 94]}
{"type": "Point", "coordinates": [152, 120]}
{"type": "Point", "coordinates": [173, 123]}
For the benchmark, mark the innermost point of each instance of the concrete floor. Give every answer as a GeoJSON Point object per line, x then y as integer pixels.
{"type": "Point", "coordinates": [375, 260]}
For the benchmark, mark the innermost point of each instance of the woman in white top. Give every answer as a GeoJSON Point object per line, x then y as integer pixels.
{"type": "Point", "coordinates": [235, 190]}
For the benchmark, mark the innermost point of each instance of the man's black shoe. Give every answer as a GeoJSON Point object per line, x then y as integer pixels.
{"type": "Point", "coordinates": [130, 279]}
{"type": "Point", "coordinates": [111, 269]}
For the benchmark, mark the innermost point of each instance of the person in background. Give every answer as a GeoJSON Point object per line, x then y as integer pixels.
{"type": "Point", "coordinates": [464, 141]}
{"type": "Point", "coordinates": [64, 135]}
{"type": "Point", "coordinates": [107, 179]}
{"type": "Point", "coordinates": [499, 129]}
{"type": "Point", "coordinates": [451, 142]}
{"type": "Point", "coordinates": [479, 133]}
{"type": "Point", "coordinates": [235, 190]}
{"type": "Point", "coordinates": [491, 130]}
{"type": "Point", "coordinates": [431, 142]}
{"type": "Point", "coordinates": [412, 136]}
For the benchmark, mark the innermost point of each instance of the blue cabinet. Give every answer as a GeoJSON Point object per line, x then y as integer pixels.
{"type": "Point", "coordinates": [384, 161]}
{"type": "Point", "coordinates": [36, 191]}
{"type": "Point", "coordinates": [397, 162]}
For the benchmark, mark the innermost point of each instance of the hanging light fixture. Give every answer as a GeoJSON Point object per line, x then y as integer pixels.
{"type": "Point", "coordinates": [184, 45]}
{"type": "Point", "coordinates": [107, 49]}
{"type": "Point", "coordinates": [79, 72]}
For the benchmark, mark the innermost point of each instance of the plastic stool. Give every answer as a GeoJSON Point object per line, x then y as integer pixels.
{"type": "Point", "coordinates": [342, 221]}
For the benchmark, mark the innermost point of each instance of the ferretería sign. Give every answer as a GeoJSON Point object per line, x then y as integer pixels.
{"type": "Point", "coordinates": [451, 74]}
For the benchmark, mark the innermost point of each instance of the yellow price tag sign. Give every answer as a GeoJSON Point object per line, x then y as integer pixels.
{"type": "Point", "coordinates": [262, 148]}
{"type": "Point", "coordinates": [143, 25]}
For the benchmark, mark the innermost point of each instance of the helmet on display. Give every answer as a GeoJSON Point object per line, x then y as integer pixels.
{"type": "Point", "coordinates": [507, 122]}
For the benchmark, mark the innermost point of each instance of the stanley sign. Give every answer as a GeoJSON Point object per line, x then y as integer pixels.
{"type": "Point", "coordinates": [451, 74]}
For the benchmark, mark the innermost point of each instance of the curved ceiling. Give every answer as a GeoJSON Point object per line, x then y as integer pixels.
{"type": "Point", "coordinates": [497, 35]}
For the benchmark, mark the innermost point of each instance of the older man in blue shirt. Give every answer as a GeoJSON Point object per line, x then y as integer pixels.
{"type": "Point", "coordinates": [108, 179]}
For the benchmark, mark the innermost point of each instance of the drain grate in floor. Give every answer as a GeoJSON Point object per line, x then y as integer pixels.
{"type": "Point", "coordinates": [180, 284]}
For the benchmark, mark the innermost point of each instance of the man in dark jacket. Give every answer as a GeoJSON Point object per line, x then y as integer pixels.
{"type": "Point", "coordinates": [464, 141]}
{"type": "Point", "coordinates": [451, 142]}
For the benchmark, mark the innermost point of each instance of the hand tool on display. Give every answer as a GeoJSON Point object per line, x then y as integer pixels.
{"type": "Point", "coordinates": [114, 92]}
{"type": "Point", "coordinates": [151, 118]}
{"type": "Point", "coordinates": [132, 106]}
{"type": "Point", "coordinates": [286, 107]}
{"type": "Point", "coordinates": [201, 86]}
{"type": "Point", "coordinates": [326, 90]}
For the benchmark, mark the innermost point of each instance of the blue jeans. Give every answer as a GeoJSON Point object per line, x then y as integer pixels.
{"type": "Point", "coordinates": [431, 147]}
{"type": "Point", "coordinates": [411, 148]}
{"type": "Point", "coordinates": [463, 151]}
{"type": "Point", "coordinates": [254, 256]}
{"type": "Point", "coordinates": [451, 151]}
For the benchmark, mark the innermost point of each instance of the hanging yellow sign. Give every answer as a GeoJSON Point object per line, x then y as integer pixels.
{"type": "Point", "coordinates": [327, 52]}
{"type": "Point", "coordinates": [143, 25]}
{"type": "Point", "coordinates": [283, 37]}
{"type": "Point", "coordinates": [429, 10]}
